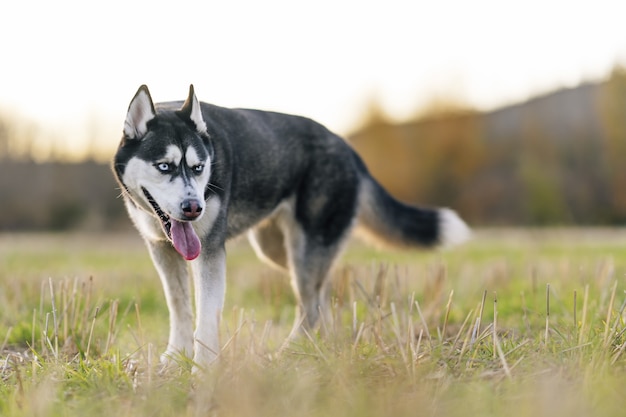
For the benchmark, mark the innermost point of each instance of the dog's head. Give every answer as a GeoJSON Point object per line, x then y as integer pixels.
{"type": "Point", "coordinates": [164, 165]}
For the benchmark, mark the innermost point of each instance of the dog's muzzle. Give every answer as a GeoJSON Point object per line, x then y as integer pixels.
{"type": "Point", "coordinates": [180, 233]}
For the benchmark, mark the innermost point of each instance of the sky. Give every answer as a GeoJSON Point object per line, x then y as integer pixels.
{"type": "Point", "coordinates": [72, 66]}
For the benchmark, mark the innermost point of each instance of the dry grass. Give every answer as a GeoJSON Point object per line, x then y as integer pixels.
{"type": "Point", "coordinates": [519, 323]}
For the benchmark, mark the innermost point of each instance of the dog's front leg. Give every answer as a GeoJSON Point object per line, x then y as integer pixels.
{"type": "Point", "coordinates": [174, 276]}
{"type": "Point", "coordinates": [209, 273]}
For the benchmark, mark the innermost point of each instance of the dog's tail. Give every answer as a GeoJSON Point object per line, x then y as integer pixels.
{"type": "Point", "coordinates": [389, 222]}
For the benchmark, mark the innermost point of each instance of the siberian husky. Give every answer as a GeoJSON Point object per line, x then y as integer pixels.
{"type": "Point", "coordinates": [194, 175]}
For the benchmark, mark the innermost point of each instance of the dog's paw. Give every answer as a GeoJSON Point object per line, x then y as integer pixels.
{"type": "Point", "coordinates": [168, 363]}
{"type": "Point", "coordinates": [168, 358]}
{"type": "Point", "coordinates": [204, 359]}
{"type": "Point", "coordinates": [173, 360]}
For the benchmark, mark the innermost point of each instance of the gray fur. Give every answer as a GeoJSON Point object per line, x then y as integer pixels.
{"type": "Point", "coordinates": [297, 188]}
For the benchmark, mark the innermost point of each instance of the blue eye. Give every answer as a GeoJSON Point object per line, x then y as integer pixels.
{"type": "Point", "coordinates": [198, 168]}
{"type": "Point", "coordinates": [164, 167]}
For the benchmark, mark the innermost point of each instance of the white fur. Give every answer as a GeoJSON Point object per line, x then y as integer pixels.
{"type": "Point", "coordinates": [196, 115]}
{"type": "Point", "coordinates": [209, 277]}
{"type": "Point", "coordinates": [172, 270]}
{"type": "Point", "coordinates": [454, 230]}
{"type": "Point", "coordinates": [140, 112]}
{"type": "Point", "coordinates": [145, 222]}
{"type": "Point", "coordinates": [173, 155]}
{"type": "Point", "coordinates": [203, 225]}
{"type": "Point", "coordinates": [283, 215]}
{"type": "Point", "coordinates": [209, 280]}
{"type": "Point", "coordinates": [191, 156]}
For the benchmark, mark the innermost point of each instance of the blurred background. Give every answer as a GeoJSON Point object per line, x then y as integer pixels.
{"type": "Point", "coordinates": [512, 113]}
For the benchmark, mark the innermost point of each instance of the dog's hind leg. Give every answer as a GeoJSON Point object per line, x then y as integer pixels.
{"type": "Point", "coordinates": [268, 241]}
{"type": "Point", "coordinates": [320, 220]}
{"type": "Point", "coordinates": [310, 267]}
{"type": "Point", "coordinates": [282, 242]}
{"type": "Point", "coordinates": [312, 255]}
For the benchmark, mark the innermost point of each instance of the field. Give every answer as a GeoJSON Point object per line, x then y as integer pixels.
{"type": "Point", "coordinates": [516, 323]}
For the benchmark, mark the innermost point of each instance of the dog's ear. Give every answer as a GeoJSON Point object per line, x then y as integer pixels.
{"type": "Point", "coordinates": [191, 110]}
{"type": "Point", "coordinates": [140, 112]}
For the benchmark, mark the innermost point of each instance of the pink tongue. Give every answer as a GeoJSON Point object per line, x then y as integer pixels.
{"type": "Point", "coordinates": [185, 239]}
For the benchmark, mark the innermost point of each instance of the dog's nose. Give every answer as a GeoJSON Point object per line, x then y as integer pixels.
{"type": "Point", "coordinates": [191, 208]}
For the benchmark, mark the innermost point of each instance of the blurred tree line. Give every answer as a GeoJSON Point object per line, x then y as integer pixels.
{"type": "Point", "coordinates": [49, 193]}
{"type": "Point", "coordinates": [553, 160]}
{"type": "Point", "coordinates": [59, 196]}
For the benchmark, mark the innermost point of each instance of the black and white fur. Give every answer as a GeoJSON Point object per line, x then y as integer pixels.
{"type": "Point", "coordinates": [194, 175]}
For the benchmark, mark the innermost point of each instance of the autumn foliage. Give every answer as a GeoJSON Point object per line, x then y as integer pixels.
{"type": "Point", "coordinates": [554, 160]}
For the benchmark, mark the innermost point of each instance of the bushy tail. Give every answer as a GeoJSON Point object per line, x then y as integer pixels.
{"type": "Point", "coordinates": [387, 221]}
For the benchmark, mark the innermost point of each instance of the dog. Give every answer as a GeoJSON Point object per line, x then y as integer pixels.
{"type": "Point", "coordinates": [193, 175]}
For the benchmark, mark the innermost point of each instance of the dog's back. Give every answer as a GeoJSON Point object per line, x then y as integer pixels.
{"type": "Point", "coordinates": [280, 157]}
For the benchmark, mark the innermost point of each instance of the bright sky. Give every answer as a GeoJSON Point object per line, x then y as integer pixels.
{"type": "Point", "coordinates": [73, 66]}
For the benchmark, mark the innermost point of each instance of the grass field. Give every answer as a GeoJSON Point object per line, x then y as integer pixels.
{"type": "Point", "coordinates": [515, 323]}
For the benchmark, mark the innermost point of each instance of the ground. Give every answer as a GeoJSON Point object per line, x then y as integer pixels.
{"type": "Point", "coordinates": [518, 322]}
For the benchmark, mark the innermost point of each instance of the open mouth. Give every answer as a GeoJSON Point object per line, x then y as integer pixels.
{"type": "Point", "coordinates": [165, 219]}
{"type": "Point", "coordinates": [180, 233]}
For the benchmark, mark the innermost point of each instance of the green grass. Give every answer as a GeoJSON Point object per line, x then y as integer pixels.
{"type": "Point", "coordinates": [515, 323]}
